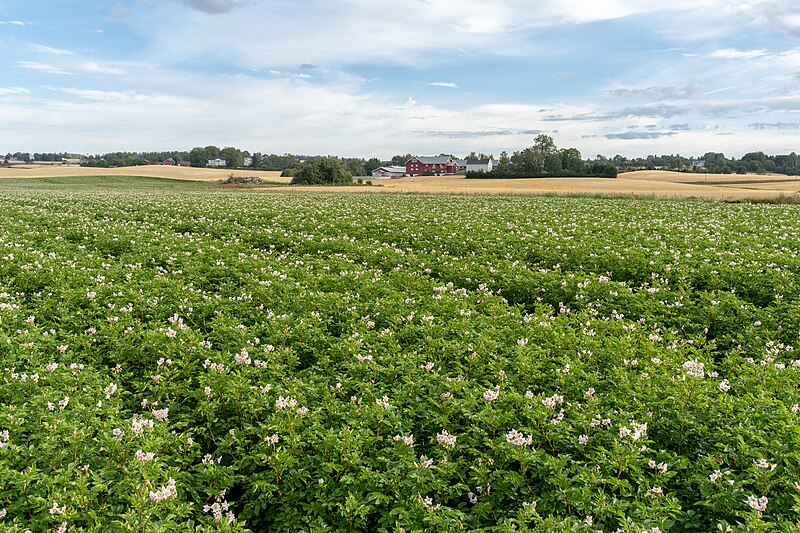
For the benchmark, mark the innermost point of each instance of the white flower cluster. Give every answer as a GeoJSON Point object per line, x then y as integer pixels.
{"type": "Point", "coordinates": [424, 462]}
{"type": "Point", "coordinates": [491, 395]}
{"type": "Point", "coordinates": [759, 504]}
{"type": "Point", "coordinates": [408, 441]}
{"type": "Point", "coordinates": [110, 389]}
{"type": "Point", "coordinates": [552, 401]}
{"type": "Point", "coordinates": [515, 438]}
{"type": "Point", "coordinates": [4, 437]}
{"type": "Point", "coordinates": [167, 492]}
{"type": "Point", "coordinates": [217, 509]}
{"type": "Point", "coordinates": [694, 368]}
{"type": "Point", "coordinates": [718, 475]}
{"type": "Point", "coordinates": [638, 431]}
{"type": "Point", "coordinates": [428, 504]}
{"type": "Point", "coordinates": [285, 403]}
{"type": "Point", "coordinates": [446, 439]}
{"type": "Point", "coordinates": [660, 468]}
{"type": "Point", "coordinates": [243, 357]}
{"type": "Point", "coordinates": [763, 464]}
{"type": "Point", "coordinates": [138, 425]}
{"type": "Point", "coordinates": [143, 457]}
{"type": "Point", "coordinates": [211, 365]}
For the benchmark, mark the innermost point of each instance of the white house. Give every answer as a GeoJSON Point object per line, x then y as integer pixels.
{"type": "Point", "coordinates": [389, 172]}
{"type": "Point", "coordinates": [216, 162]}
{"type": "Point", "coordinates": [480, 165]}
{"type": "Point", "coordinates": [248, 161]}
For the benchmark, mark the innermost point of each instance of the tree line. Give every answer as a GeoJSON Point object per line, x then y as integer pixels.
{"type": "Point", "coordinates": [713, 163]}
{"type": "Point", "coordinates": [544, 159]}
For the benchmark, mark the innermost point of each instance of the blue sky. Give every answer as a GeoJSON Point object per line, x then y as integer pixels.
{"type": "Point", "coordinates": [382, 77]}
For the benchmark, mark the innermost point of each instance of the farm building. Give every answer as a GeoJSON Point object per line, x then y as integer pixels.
{"type": "Point", "coordinates": [389, 172]}
{"type": "Point", "coordinates": [216, 162]}
{"type": "Point", "coordinates": [169, 162]}
{"type": "Point", "coordinates": [430, 165]}
{"type": "Point", "coordinates": [480, 165]}
{"type": "Point", "coordinates": [186, 163]}
{"type": "Point", "coordinates": [461, 165]}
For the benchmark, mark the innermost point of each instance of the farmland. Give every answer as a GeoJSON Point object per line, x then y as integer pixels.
{"type": "Point", "coordinates": [661, 184]}
{"type": "Point", "coordinates": [190, 358]}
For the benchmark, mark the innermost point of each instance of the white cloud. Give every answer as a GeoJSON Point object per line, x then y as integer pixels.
{"type": "Point", "coordinates": [44, 68]}
{"type": "Point", "coordinates": [14, 23]}
{"type": "Point", "coordinates": [50, 50]}
{"type": "Point", "coordinates": [448, 84]}
{"type": "Point", "coordinates": [91, 66]}
{"type": "Point", "coordinates": [12, 91]}
{"type": "Point", "coordinates": [382, 32]}
{"type": "Point", "coordinates": [732, 53]}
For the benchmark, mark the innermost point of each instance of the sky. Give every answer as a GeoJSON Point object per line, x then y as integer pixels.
{"type": "Point", "coordinates": [383, 77]}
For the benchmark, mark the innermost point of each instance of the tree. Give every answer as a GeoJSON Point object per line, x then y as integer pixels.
{"type": "Point", "coordinates": [504, 163]}
{"type": "Point", "coordinates": [322, 171]}
{"type": "Point", "coordinates": [233, 157]}
{"type": "Point", "coordinates": [534, 160]}
{"type": "Point", "coordinates": [372, 164]}
{"type": "Point", "coordinates": [355, 166]}
{"type": "Point", "coordinates": [400, 160]}
{"type": "Point", "coordinates": [572, 161]}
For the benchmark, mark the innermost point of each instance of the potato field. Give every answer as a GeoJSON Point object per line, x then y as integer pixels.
{"type": "Point", "coordinates": [206, 360]}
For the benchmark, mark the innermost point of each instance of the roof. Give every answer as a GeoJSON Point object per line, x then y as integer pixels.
{"type": "Point", "coordinates": [478, 161]}
{"type": "Point", "coordinates": [440, 160]}
{"type": "Point", "coordinates": [461, 162]}
{"type": "Point", "coordinates": [392, 169]}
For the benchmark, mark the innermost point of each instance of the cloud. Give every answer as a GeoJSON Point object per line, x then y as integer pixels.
{"type": "Point", "coordinates": [91, 66]}
{"type": "Point", "coordinates": [214, 7]}
{"type": "Point", "coordinates": [50, 50]}
{"type": "Point", "coordinates": [775, 126]}
{"type": "Point", "coordinates": [14, 23]}
{"type": "Point", "coordinates": [658, 111]}
{"type": "Point", "coordinates": [124, 97]}
{"type": "Point", "coordinates": [308, 66]}
{"type": "Point", "coordinates": [635, 135]}
{"type": "Point", "coordinates": [11, 91]}
{"type": "Point", "coordinates": [469, 134]}
{"type": "Point", "coordinates": [679, 127]}
{"type": "Point", "coordinates": [44, 68]}
{"type": "Point", "coordinates": [662, 93]}
{"type": "Point", "coordinates": [448, 84]}
{"type": "Point", "coordinates": [68, 69]}
{"type": "Point", "coordinates": [771, 14]}
{"type": "Point", "coordinates": [732, 53]}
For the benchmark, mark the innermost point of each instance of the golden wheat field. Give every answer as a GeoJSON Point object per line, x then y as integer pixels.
{"type": "Point", "coordinates": [642, 183]}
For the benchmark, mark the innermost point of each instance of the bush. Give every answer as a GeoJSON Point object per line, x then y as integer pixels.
{"type": "Point", "coordinates": [289, 173]}
{"type": "Point", "coordinates": [322, 171]}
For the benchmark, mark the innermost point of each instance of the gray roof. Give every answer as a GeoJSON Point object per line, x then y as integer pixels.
{"type": "Point", "coordinates": [478, 161]}
{"type": "Point", "coordinates": [461, 162]}
{"type": "Point", "coordinates": [441, 160]}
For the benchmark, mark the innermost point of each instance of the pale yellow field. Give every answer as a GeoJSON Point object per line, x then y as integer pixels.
{"type": "Point", "coordinates": [643, 183]}
{"type": "Point", "coordinates": [648, 183]}
{"type": "Point", "coordinates": [149, 171]}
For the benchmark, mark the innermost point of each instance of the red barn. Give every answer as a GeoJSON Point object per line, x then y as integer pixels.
{"type": "Point", "coordinates": [430, 165]}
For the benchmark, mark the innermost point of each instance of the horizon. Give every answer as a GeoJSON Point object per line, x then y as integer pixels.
{"type": "Point", "coordinates": [610, 77]}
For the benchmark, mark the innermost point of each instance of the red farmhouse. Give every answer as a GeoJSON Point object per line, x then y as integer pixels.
{"type": "Point", "coordinates": [430, 165]}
